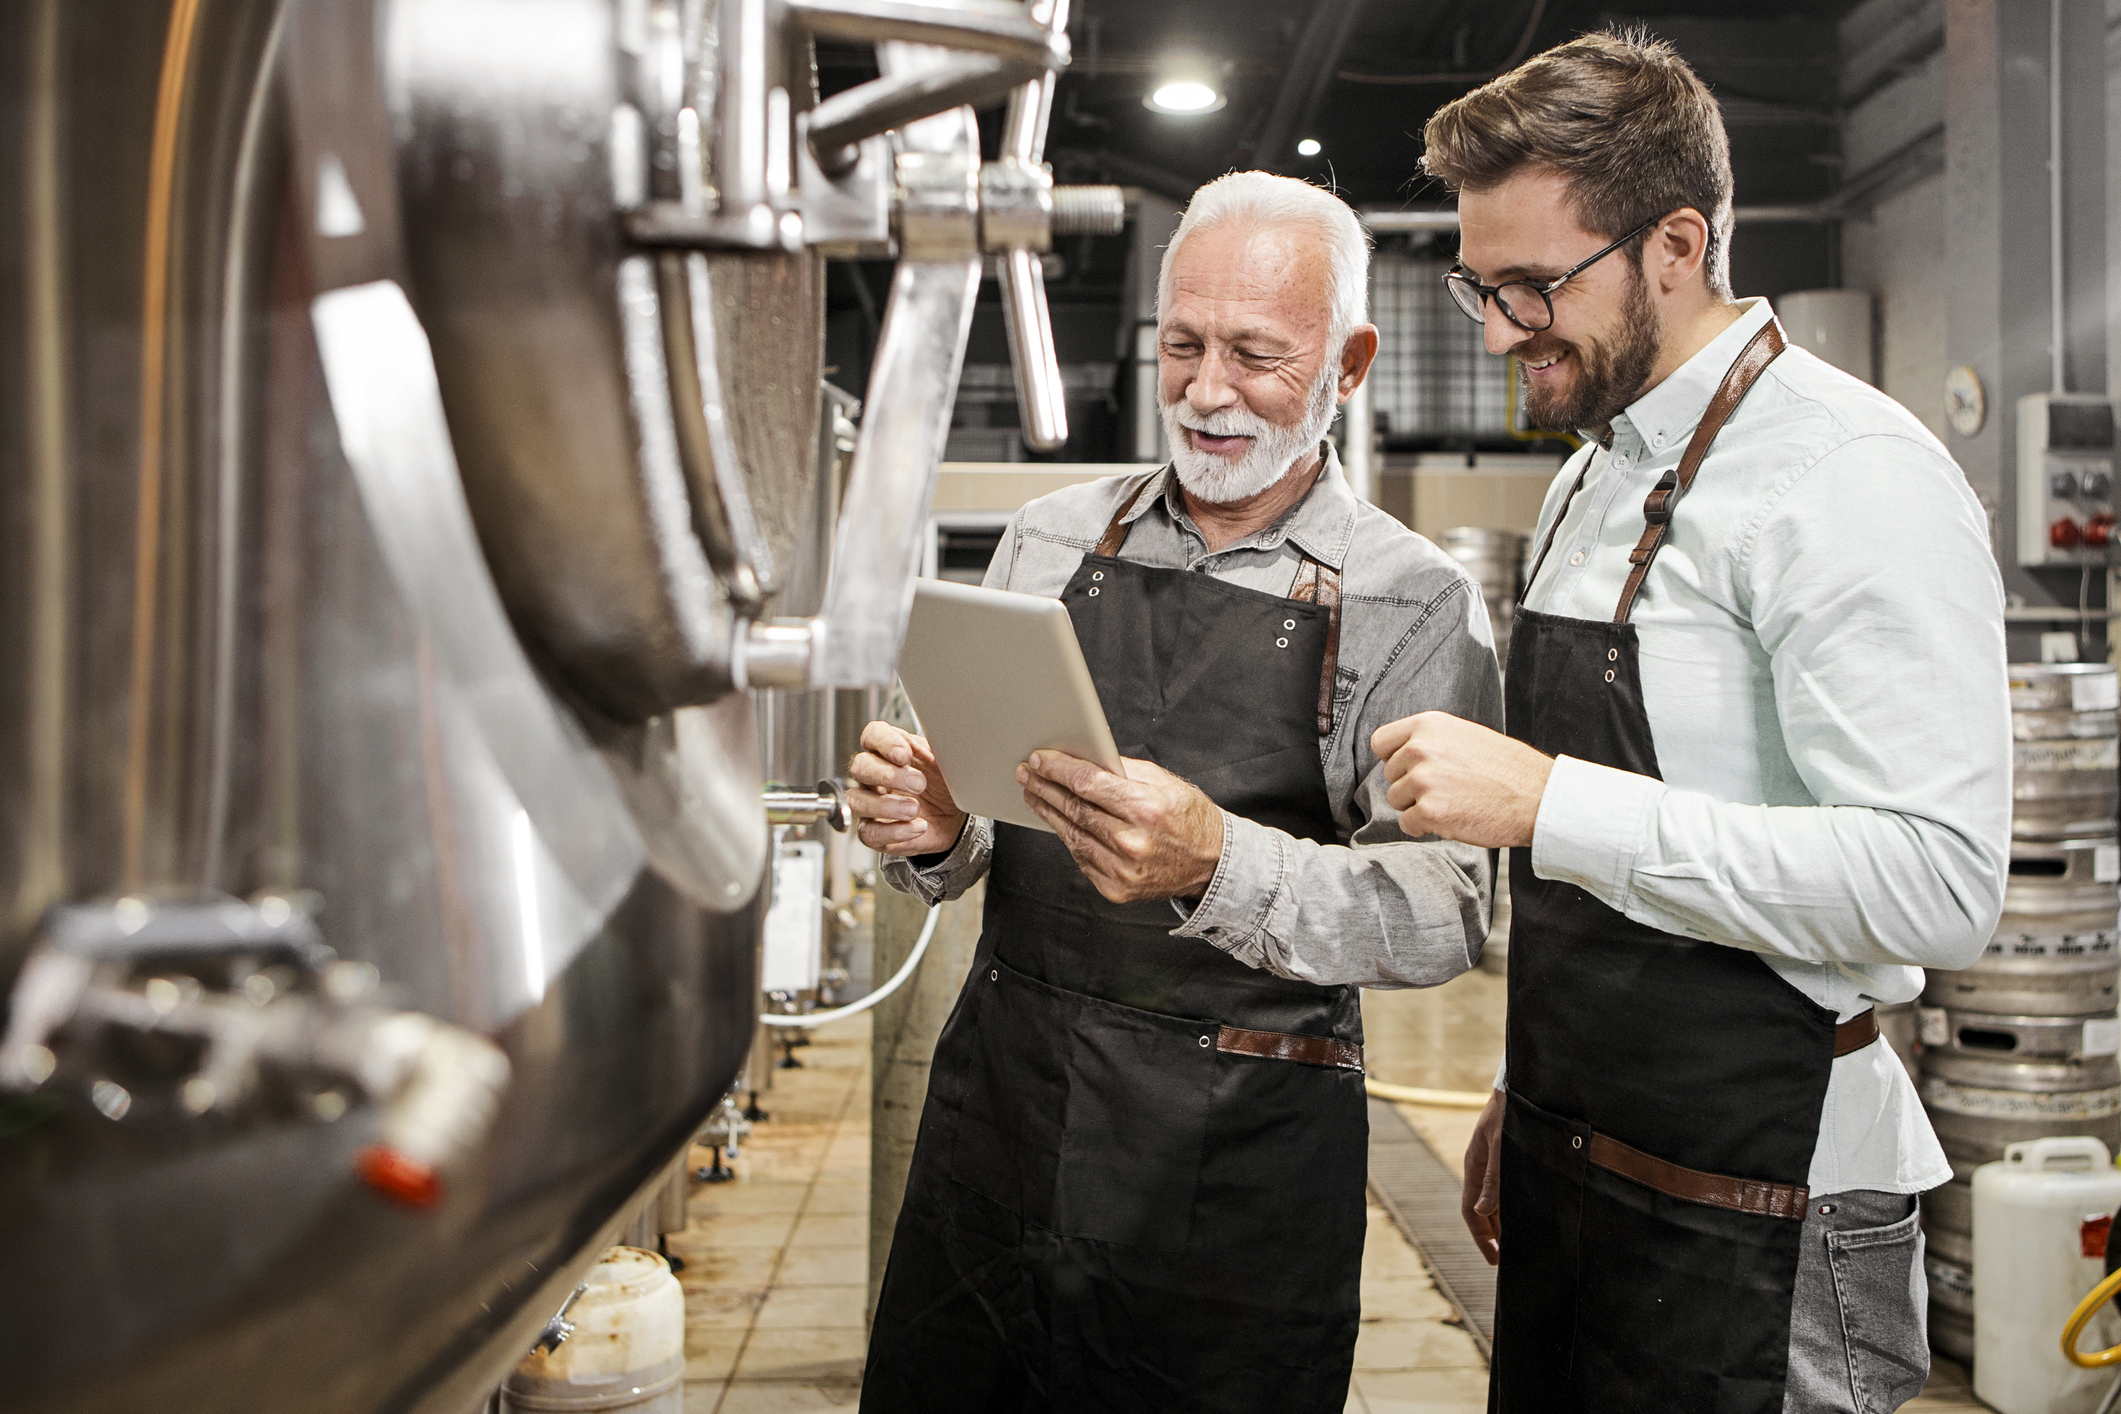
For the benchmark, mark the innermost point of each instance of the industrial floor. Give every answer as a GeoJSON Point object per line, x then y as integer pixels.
{"type": "Point", "coordinates": [776, 1261]}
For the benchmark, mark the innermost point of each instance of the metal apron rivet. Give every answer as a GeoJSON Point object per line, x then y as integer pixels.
{"type": "Point", "coordinates": [994, 976]}
{"type": "Point", "coordinates": [1281, 643]}
{"type": "Point", "coordinates": [1612, 655]}
{"type": "Point", "coordinates": [1608, 671]}
{"type": "Point", "coordinates": [1288, 623]}
{"type": "Point", "coordinates": [1093, 591]}
{"type": "Point", "coordinates": [1204, 1043]}
{"type": "Point", "coordinates": [1576, 1142]}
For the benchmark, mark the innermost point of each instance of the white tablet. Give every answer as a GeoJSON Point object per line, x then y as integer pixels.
{"type": "Point", "coordinates": [993, 677]}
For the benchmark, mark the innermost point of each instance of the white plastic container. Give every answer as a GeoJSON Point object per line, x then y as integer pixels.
{"type": "Point", "coordinates": [2030, 1270]}
{"type": "Point", "coordinates": [627, 1350]}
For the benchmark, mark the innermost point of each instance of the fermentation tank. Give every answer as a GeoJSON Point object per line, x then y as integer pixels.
{"type": "Point", "coordinates": [408, 420]}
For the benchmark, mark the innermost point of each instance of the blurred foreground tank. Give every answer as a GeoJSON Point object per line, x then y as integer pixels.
{"type": "Point", "coordinates": [407, 414]}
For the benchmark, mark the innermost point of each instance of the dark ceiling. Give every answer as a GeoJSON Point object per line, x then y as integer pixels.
{"type": "Point", "coordinates": [1361, 77]}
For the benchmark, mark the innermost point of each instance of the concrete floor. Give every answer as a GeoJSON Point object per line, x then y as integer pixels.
{"type": "Point", "coordinates": [777, 1261]}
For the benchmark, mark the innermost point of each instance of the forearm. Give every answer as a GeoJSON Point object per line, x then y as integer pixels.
{"type": "Point", "coordinates": [952, 874]}
{"type": "Point", "coordinates": [1841, 883]}
{"type": "Point", "coordinates": [1401, 914]}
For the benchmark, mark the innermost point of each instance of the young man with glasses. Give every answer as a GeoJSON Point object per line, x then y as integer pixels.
{"type": "Point", "coordinates": [1757, 778]}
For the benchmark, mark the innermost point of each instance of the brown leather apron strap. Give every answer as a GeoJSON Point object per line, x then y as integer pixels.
{"type": "Point", "coordinates": [1280, 1045]}
{"type": "Point", "coordinates": [1854, 1034]}
{"type": "Point", "coordinates": [1116, 533]}
{"type": "Point", "coordinates": [1740, 1195]}
{"type": "Point", "coordinates": [1320, 584]}
{"type": "Point", "coordinates": [1760, 351]}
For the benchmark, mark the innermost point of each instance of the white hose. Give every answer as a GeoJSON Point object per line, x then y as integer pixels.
{"type": "Point", "coordinates": [819, 1018]}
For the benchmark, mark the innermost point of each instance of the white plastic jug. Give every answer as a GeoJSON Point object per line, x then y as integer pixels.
{"type": "Point", "coordinates": [2031, 1213]}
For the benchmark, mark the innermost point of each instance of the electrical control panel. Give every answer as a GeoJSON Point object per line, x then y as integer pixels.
{"type": "Point", "coordinates": [2065, 479]}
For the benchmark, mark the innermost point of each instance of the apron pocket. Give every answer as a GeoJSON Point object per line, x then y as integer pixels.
{"type": "Point", "coordinates": [1884, 1302]}
{"type": "Point", "coordinates": [1083, 1116]}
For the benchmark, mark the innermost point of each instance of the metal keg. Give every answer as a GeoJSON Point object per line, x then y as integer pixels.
{"type": "Point", "coordinates": [2054, 951]}
{"type": "Point", "coordinates": [2064, 753]}
{"type": "Point", "coordinates": [1494, 559]}
{"type": "Point", "coordinates": [1981, 1103]}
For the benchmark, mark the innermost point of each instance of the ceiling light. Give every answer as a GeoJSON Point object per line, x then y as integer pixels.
{"type": "Point", "coordinates": [1308, 147]}
{"type": "Point", "coordinates": [1184, 97]}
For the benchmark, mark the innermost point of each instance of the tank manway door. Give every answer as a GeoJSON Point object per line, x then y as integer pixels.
{"type": "Point", "coordinates": [237, 1015]}
{"type": "Point", "coordinates": [646, 209]}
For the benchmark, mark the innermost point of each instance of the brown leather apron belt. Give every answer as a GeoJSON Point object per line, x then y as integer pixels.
{"type": "Point", "coordinates": [1280, 1045]}
{"type": "Point", "coordinates": [1740, 1195]}
{"type": "Point", "coordinates": [1855, 1033]}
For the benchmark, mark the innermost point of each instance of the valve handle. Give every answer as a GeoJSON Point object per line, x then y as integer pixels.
{"type": "Point", "coordinates": [1040, 397]}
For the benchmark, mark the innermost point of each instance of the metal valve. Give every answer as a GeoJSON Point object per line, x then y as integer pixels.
{"type": "Point", "coordinates": [803, 807]}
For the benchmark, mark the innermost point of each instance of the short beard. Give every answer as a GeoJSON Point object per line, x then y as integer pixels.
{"type": "Point", "coordinates": [1274, 451]}
{"type": "Point", "coordinates": [1608, 377]}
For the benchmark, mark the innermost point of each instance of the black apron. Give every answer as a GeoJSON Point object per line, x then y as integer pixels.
{"type": "Point", "coordinates": [1629, 1046]}
{"type": "Point", "coordinates": [1138, 1183]}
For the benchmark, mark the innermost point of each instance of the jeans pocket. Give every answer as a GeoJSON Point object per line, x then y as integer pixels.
{"type": "Point", "coordinates": [1884, 1302]}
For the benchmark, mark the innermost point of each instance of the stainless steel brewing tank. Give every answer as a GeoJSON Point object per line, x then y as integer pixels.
{"type": "Point", "coordinates": [253, 656]}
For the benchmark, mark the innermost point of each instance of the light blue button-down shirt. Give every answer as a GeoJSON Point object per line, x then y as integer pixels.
{"type": "Point", "coordinates": [1823, 668]}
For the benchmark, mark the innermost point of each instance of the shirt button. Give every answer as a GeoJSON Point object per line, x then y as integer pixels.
{"type": "Point", "coordinates": [1577, 558]}
{"type": "Point", "coordinates": [1621, 462]}
{"type": "Point", "coordinates": [1658, 440]}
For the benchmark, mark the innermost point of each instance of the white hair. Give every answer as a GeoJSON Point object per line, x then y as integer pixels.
{"type": "Point", "coordinates": [1263, 199]}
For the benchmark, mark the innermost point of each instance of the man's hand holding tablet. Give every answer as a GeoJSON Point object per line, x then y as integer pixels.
{"type": "Point", "coordinates": [898, 792]}
{"type": "Point", "coordinates": [1145, 835]}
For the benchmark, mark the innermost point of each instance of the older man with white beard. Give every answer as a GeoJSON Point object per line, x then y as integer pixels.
{"type": "Point", "coordinates": [1139, 1177]}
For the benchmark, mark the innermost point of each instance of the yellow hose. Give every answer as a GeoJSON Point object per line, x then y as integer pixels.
{"type": "Point", "coordinates": [1439, 1099]}
{"type": "Point", "coordinates": [2074, 1326]}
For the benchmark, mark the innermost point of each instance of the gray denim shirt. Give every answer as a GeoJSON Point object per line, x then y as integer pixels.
{"type": "Point", "coordinates": [1377, 909]}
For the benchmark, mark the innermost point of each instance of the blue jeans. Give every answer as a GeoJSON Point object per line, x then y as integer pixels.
{"type": "Point", "coordinates": [1859, 1321]}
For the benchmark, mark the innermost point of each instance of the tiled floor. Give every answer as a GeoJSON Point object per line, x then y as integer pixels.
{"type": "Point", "coordinates": [776, 1267]}
{"type": "Point", "coordinates": [777, 1261]}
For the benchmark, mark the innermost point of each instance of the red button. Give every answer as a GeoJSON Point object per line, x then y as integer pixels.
{"type": "Point", "coordinates": [402, 1180]}
{"type": "Point", "coordinates": [2091, 1235]}
{"type": "Point", "coordinates": [2099, 530]}
{"type": "Point", "coordinates": [2065, 534]}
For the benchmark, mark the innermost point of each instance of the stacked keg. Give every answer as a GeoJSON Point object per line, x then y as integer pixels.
{"type": "Point", "coordinates": [2022, 1044]}
{"type": "Point", "coordinates": [1493, 559]}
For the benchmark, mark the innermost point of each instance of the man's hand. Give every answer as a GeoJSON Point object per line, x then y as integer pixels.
{"type": "Point", "coordinates": [1144, 835]}
{"type": "Point", "coordinates": [1480, 1203]}
{"type": "Point", "coordinates": [1460, 780]}
{"type": "Point", "coordinates": [898, 793]}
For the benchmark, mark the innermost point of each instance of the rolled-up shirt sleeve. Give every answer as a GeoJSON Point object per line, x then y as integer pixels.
{"type": "Point", "coordinates": [1886, 659]}
{"type": "Point", "coordinates": [1383, 910]}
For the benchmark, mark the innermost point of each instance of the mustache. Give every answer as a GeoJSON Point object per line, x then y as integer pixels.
{"type": "Point", "coordinates": [1225, 422]}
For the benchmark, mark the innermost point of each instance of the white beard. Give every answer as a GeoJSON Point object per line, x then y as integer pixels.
{"type": "Point", "coordinates": [1274, 449]}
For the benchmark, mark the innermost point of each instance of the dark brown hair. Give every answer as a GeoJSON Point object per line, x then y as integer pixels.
{"type": "Point", "coordinates": [1620, 115]}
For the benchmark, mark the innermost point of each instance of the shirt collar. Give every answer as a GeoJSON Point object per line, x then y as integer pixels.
{"type": "Point", "coordinates": [1666, 415]}
{"type": "Point", "coordinates": [1322, 524]}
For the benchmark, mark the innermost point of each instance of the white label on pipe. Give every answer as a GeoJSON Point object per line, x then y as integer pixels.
{"type": "Point", "coordinates": [2106, 863]}
{"type": "Point", "coordinates": [2103, 1036]}
{"type": "Point", "coordinates": [1936, 1027]}
{"type": "Point", "coordinates": [2095, 692]}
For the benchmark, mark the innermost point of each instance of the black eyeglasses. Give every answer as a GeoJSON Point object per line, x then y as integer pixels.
{"type": "Point", "coordinates": [1530, 307]}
